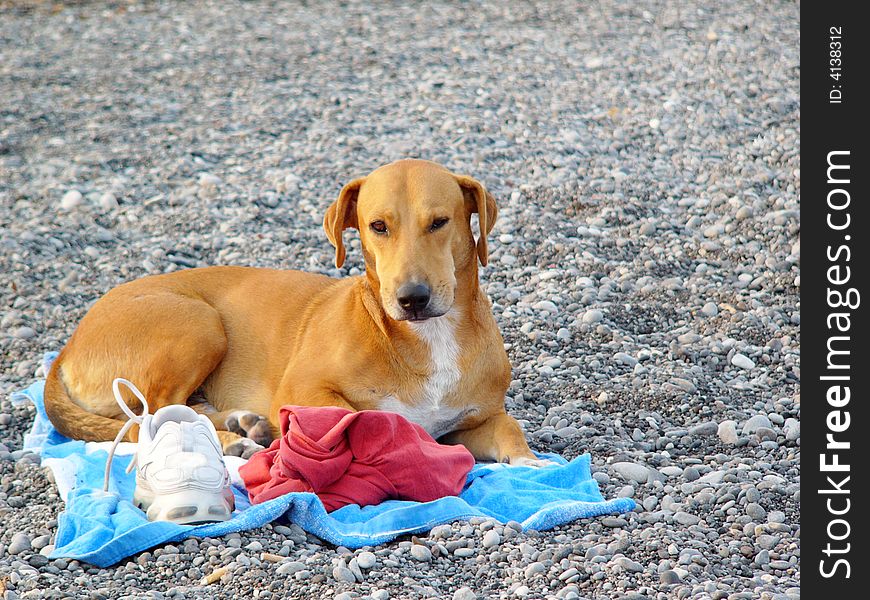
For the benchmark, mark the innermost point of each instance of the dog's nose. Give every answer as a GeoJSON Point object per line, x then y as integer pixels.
{"type": "Point", "coordinates": [414, 296]}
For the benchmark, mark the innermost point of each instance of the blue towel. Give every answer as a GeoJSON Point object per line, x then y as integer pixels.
{"type": "Point", "coordinates": [103, 528]}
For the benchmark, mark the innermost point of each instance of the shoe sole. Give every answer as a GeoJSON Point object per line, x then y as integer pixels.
{"type": "Point", "coordinates": [186, 507]}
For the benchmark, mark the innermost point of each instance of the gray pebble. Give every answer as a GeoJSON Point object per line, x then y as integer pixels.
{"type": "Point", "coordinates": [686, 519]}
{"type": "Point", "coordinates": [366, 560]}
{"type": "Point", "coordinates": [491, 539]}
{"type": "Point", "coordinates": [24, 333]}
{"type": "Point", "coordinates": [592, 316]}
{"type": "Point", "coordinates": [421, 553]}
{"type": "Point", "coordinates": [669, 577]}
{"type": "Point", "coordinates": [755, 423]}
{"type": "Point", "coordinates": [710, 309]}
{"type": "Point", "coordinates": [343, 574]}
{"type": "Point", "coordinates": [632, 471]}
{"type": "Point", "coordinates": [19, 543]}
{"type": "Point", "coordinates": [464, 593]}
{"type": "Point", "coordinates": [755, 511]}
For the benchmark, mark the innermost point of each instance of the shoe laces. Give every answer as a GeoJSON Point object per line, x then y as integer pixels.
{"type": "Point", "coordinates": [131, 419]}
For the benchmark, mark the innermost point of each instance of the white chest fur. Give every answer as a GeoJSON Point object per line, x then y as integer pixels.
{"type": "Point", "coordinates": [428, 410]}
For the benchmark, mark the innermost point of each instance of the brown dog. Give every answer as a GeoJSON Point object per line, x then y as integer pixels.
{"type": "Point", "coordinates": [414, 335]}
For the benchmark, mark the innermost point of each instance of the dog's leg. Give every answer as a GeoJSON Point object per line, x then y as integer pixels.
{"type": "Point", "coordinates": [241, 432]}
{"type": "Point", "coordinates": [499, 438]}
{"type": "Point", "coordinates": [244, 423]}
{"type": "Point", "coordinates": [235, 445]}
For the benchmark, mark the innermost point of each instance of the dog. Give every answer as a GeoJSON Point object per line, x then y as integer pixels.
{"type": "Point", "coordinates": [414, 335]}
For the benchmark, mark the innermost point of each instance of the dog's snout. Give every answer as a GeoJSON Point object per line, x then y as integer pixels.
{"type": "Point", "coordinates": [414, 296]}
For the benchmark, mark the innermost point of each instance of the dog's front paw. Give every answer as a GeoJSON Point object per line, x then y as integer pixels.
{"type": "Point", "coordinates": [525, 461]}
{"type": "Point", "coordinates": [243, 447]}
{"type": "Point", "coordinates": [250, 425]}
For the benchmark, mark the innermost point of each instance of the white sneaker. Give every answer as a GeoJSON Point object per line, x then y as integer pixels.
{"type": "Point", "coordinates": [181, 475]}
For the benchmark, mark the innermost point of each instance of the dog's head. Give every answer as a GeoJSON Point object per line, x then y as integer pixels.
{"type": "Point", "coordinates": [414, 219]}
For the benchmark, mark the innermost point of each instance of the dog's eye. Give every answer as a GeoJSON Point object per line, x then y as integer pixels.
{"type": "Point", "coordinates": [438, 223]}
{"type": "Point", "coordinates": [378, 227]}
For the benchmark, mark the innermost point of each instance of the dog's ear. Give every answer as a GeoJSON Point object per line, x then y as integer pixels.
{"type": "Point", "coordinates": [341, 215]}
{"type": "Point", "coordinates": [479, 201]}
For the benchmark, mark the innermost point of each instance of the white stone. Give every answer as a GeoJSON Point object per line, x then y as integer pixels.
{"type": "Point", "coordinates": [742, 361]}
{"type": "Point", "coordinates": [108, 201]}
{"type": "Point", "coordinates": [727, 432]}
{"type": "Point", "coordinates": [71, 199]}
{"type": "Point", "coordinates": [592, 316]}
{"type": "Point", "coordinates": [366, 560]}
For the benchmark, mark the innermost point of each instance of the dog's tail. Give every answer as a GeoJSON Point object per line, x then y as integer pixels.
{"type": "Point", "coordinates": [69, 418]}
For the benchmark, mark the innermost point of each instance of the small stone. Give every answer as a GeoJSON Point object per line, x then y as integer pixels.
{"type": "Point", "coordinates": [629, 565]}
{"type": "Point", "coordinates": [710, 309]}
{"type": "Point", "coordinates": [686, 519]}
{"type": "Point", "coordinates": [24, 333]}
{"type": "Point", "coordinates": [291, 182]}
{"type": "Point", "coordinates": [632, 471]}
{"type": "Point", "coordinates": [704, 429]}
{"type": "Point", "coordinates": [366, 560]}
{"type": "Point", "coordinates": [546, 306]}
{"type": "Point", "coordinates": [380, 595]}
{"type": "Point", "coordinates": [684, 384]}
{"type": "Point", "coordinates": [491, 539]}
{"type": "Point", "coordinates": [71, 199]}
{"type": "Point", "coordinates": [669, 577]}
{"type": "Point", "coordinates": [626, 359]}
{"type": "Point", "coordinates": [592, 316]}
{"type": "Point", "coordinates": [40, 542]}
{"type": "Point", "coordinates": [19, 543]}
{"type": "Point", "coordinates": [37, 561]}
{"type": "Point", "coordinates": [691, 473]}
{"type": "Point", "coordinates": [792, 429]}
{"type": "Point", "coordinates": [354, 567]}
{"type": "Point", "coordinates": [755, 423]}
{"type": "Point", "coordinates": [765, 434]}
{"type": "Point", "coordinates": [464, 593]}
{"type": "Point", "coordinates": [742, 361]}
{"type": "Point", "coordinates": [774, 516]}
{"type": "Point", "coordinates": [421, 553]}
{"type": "Point", "coordinates": [713, 477]}
{"type": "Point", "coordinates": [727, 432]}
{"type": "Point", "coordinates": [626, 491]}
{"type": "Point", "coordinates": [209, 180]}
{"type": "Point", "coordinates": [343, 574]}
{"type": "Point", "coordinates": [714, 231]}
{"type": "Point", "coordinates": [756, 511]}
{"type": "Point", "coordinates": [108, 201]}
{"type": "Point", "coordinates": [744, 212]}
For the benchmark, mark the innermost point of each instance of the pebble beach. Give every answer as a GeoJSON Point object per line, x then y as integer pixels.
{"type": "Point", "coordinates": [644, 269]}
